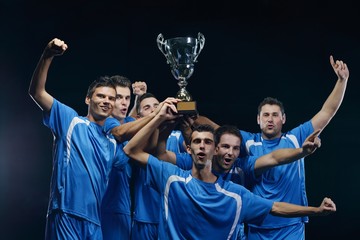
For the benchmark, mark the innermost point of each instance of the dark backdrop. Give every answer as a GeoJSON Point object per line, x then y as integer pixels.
{"type": "Point", "coordinates": [253, 49]}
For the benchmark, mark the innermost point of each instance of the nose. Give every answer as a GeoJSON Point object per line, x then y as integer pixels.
{"type": "Point", "coordinates": [108, 100]}
{"type": "Point", "coordinates": [122, 101]}
{"type": "Point", "coordinates": [152, 109]}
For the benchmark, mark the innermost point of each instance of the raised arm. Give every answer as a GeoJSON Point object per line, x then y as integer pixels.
{"type": "Point", "coordinates": [37, 89]}
{"type": "Point", "coordinates": [334, 100]}
{"type": "Point", "coordinates": [135, 148]}
{"type": "Point", "coordinates": [284, 209]}
{"type": "Point", "coordinates": [287, 155]}
{"type": "Point", "coordinates": [126, 131]}
{"type": "Point", "coordinates": [139, 88]}
{"type": "Point", "coordinates": [161, 152]}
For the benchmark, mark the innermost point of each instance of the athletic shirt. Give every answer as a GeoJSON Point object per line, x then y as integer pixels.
{"type": "Point", "coordinates": [82, 157]}
{"type": "Point", "coordinates": [147, 200]}
{"type": "Point", "coordinates": [193, 209]}
{"type": "Point", "coordinates": [117, 198]}
{"type": "Point", "coordinates": [285, 183]}
{"type": "Point", "coordinates": [175, 141]}
{"type": "Point", "coordinates": [235, 174]}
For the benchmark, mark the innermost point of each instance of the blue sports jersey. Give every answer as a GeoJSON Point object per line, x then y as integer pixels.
{"type": "Point", "coordinates": [117, 200]}
{"type": "Point", "coordinates": [146, 198]}
{"type": "Point", "coordinates": [83, 155]}
{"type": "Point", "coordinates": [117, 196]}
{"type": "Point", "coordinates": [175, 142]}
{"type": "Point", "coordinates": [236, 175]}
{"type": "Point", "coordinates": [193, 209]}
{"type": "Point", "coordinates": [184, 161]}
{"type": "Point", "coordinates": [285, 183]}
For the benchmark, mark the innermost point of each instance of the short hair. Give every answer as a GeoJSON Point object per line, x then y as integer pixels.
{"type": "Point", "coordinates": [102, 81]}
{"type": "Point", "coordinates": [121, 81]}
{"type": "Point", "coordinates": [226, 129]}
{"type": "Point", "coordinates": [141, 98]}
{"type": "Point", "coordinates": [202, 128]}
{"type": "Point", "coordinates": [271, 101]}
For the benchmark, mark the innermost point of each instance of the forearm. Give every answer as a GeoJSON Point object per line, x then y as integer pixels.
{"type": "Point", "coordinates": [335, 98]}
{"type": "Point", "coordinates": [287, 155]}
{"type": "Point", "coordinates": [126, 131]}
{"type": "Point", "coordinates": [204, 120]}
{"type": "Point", "coordinates": [152, 144]}
{"type": "Point", "coordinates": [284, 209]}
{"type": "Point", "coordinates": [133, 112]}
{"type": "Point", "coordinates": [278, 157]}
{"type": "Point", "coordinates": [135, 148]}
{"type": "Point", "coordinates": [37, 85]}
{"type": "Point", "coordinates": [331, 106]}
{"type": "Point", "coordinates": [161, 152]}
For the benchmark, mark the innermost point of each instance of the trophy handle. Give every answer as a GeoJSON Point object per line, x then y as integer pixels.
{"type": "Point", "coordinates": [161, 45]}
{"type": "Point", "coordinates": [200, 43]}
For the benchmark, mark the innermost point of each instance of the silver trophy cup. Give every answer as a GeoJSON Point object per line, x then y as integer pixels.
{"type": "Point", "coordinates": [181, 53]}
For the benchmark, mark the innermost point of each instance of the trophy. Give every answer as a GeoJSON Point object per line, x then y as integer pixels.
{"type": "Point", "coordinates": [181, 53]}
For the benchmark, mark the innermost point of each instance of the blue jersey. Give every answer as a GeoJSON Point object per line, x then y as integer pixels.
{"type": "Point", "coordinates": [236, 175]}
{"type": "Point", "coordinates": [175, 142]}
{"type": "Point", "coordinates": [117, 200]}
{"type": "Point", "coordinates": [184, 161]}
{"type": "Point", "coordinates": [146, 198]}
{"type": "Point", "coordinates": [83, 155]}
{"type": "Point", "coordinates": [193, 209]}
{"type": "Point", "coordinates": [117, 196]}
{"type": "Point", "coordinates": [285, 183]}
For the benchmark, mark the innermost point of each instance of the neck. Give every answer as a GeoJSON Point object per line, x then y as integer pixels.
{"type": "Point", "coordinates": [204, 173]}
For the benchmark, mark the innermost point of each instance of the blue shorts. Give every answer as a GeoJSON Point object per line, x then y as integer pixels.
{"type": "Point", "coordinates": [116, 226]}
{"type": "Point", "coordinates": [60, 225]}
{"type": "Point", "coordinates": [141, 231]}
{"type": "Point", "coordinates": [292, 232]}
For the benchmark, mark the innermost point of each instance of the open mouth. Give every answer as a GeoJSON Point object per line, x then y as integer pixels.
{"type": "Point", "coordinates": [227, 161]}
{"type": "Point", "coordinates": [201, 155]}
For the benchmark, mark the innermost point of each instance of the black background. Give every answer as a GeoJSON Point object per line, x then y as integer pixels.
{"type": "Point", "coordinates": [253, 49]}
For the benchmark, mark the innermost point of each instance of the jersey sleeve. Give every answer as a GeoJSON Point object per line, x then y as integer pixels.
{"type": "Point", "coordinates": [254, 208]}
{"type": "Point", "coordinates": [59, 118]}
{"type": "Point", "coordinates": [184, 161]}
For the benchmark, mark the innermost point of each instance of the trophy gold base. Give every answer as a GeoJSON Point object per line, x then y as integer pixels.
{"type": "Point", "coordinates": [186, 107]}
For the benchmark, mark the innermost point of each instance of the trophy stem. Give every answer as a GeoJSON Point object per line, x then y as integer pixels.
{"type": "Point", "coordinates": [183, 94]}
{"type": "Point", "coordinates": [182, 82]}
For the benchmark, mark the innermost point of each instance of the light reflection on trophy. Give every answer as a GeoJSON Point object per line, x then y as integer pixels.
{"type": "Point", "coordinates": [181, 53]}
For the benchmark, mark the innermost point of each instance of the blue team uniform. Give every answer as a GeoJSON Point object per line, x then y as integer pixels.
{"type": "Point", "coordinates": [285, 183]}
{"type": "Point", "coordinates": [175, 141]}
{"type": "Point", "coordinates": [236, 175]}
{"type": "Point", "coordinates": [116, 203]}
{"type": "Point", "coordinates": [147, 200]}
{"type": "Point", "coordinates": [83, 155]}
{"type": "Point", "coordinates": [192, 209]}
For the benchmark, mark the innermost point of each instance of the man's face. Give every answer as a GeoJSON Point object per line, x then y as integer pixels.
{"type": "Point", "coordinates": [147, 106]}
{"type": "Point", "coordinates": [122, 103]}
{"type": "Point", "coordinates": [201, 148]}
{"type": "Point", "coordinates": [271, 121]}
{"type": "Point", "coordinates": [101, 103]}
{"type": "Point", "coordinates": [226, 152]}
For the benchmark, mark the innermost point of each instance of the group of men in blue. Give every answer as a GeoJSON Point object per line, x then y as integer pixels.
{"type": "Point", "coordinates": [127, 178]}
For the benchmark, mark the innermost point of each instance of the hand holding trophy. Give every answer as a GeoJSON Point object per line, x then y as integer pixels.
{"type": "Point", "coordinates": [181, 53]}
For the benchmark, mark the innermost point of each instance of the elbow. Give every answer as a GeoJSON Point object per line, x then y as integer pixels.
{"type": "Point", "coordinates": [127, 150]}
{"type": "Point", "coordinates": [31, 92]}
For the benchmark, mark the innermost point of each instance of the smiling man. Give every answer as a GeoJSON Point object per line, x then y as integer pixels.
{"type": "Point", "coordinates": [83, 153]}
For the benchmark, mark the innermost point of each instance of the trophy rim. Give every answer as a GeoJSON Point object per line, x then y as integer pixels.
{"type": "Point", "coordinates": [178, 38]}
